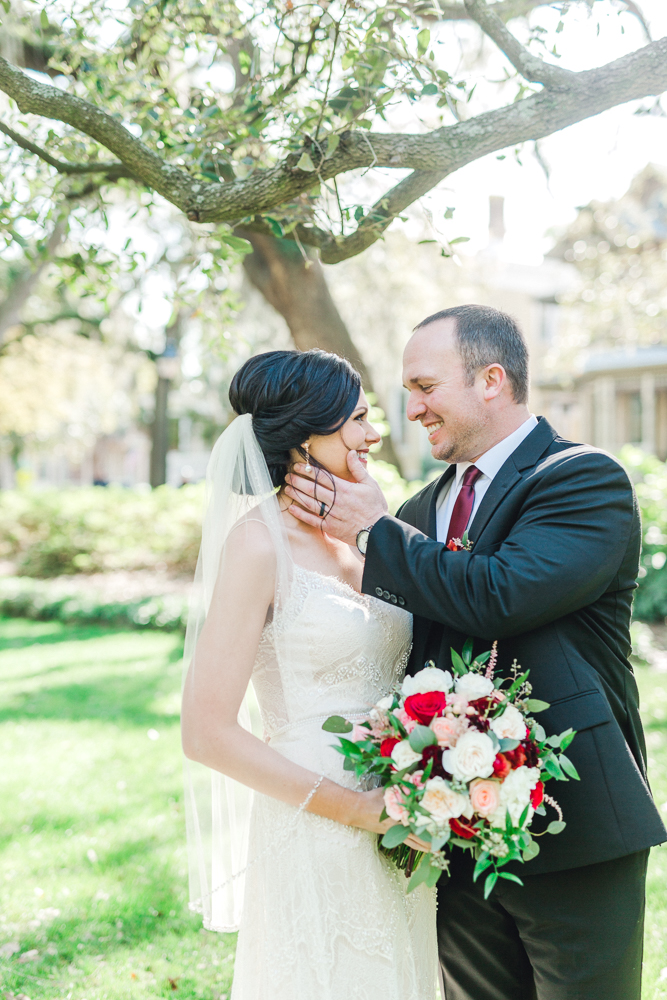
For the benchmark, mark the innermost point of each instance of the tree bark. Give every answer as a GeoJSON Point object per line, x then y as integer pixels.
{"type": "Point", "coordinates": [295, 286]}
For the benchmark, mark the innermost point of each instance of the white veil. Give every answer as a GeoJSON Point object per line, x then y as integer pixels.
{"type": "Point", "coordinates": [239, 490]}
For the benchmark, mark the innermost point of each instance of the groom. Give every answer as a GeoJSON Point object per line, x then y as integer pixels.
{"type": "Point", "coordinates": [556, 539]}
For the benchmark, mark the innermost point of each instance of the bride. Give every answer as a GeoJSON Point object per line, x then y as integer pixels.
{"type": "Point", "coordinates": [283, 840]}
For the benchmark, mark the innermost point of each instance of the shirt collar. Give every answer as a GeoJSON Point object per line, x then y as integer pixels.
{"type": "Point", "coordinates": [491, 462]}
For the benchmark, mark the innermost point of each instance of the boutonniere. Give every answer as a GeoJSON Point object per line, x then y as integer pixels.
{"type": "Point", "coordinates": [460, 544]}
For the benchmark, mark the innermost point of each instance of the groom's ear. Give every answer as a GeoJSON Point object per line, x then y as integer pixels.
{"type": "Point", "coordinates": [494, 380]}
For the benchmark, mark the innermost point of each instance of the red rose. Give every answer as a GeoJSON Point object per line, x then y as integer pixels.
{"type": "Point", "coordinates": [517, 758]}
{"type": "Point", "coordinates": [537, 795]}
{"type": "Point", "coordinates": [423, 707]}
{"type": "Point", "coordinates": [501, 767]}
{"type": "Point", "coordinates": [388, 745]}
{"type": "Point", "coordinates": [462, 829]}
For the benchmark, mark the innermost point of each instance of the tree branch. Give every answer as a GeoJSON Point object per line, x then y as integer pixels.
{"type": "Point", "coordinates": [113, 169]}
{"type": "Point", "coordinates": [530, 67]}
{"type": "Point", "coordinates": [431, 156]}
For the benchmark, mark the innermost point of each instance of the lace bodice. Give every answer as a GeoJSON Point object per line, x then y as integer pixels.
{"type": "Point", "coordinates": [329, 651]}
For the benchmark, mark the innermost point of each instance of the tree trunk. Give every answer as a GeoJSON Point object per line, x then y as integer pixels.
{"type": "Point", "coordinates": [296, 288]}
{"type": "Point", "coordinates": [160, 434]}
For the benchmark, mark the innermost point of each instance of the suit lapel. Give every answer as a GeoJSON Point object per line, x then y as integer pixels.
{"type": "Point", "coordinates": [429, 502]}
{"type": "Point", "coordinates": [525, 456]}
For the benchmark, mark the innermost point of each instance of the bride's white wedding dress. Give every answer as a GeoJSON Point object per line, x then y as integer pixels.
{"type": "Point", "coordinates": [325, 915]}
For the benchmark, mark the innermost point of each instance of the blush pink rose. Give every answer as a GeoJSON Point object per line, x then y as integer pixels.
{"type": "Point", "coordinates": [485, 796]}
{"type": "Point", "coordinates": [448, 730]}
{"type": "Point", "coordinates": [393, 803]}
{"type": "Point", "coordinates": [359, 733]}
{"type": "Point", "coordinates": [405, 719]}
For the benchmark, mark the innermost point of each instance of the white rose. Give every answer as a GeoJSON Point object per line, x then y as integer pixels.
{"type": "Point", "coordinates": [428, 679]}
{"type": "Point", "coordinates": [473, 686]}
{"type": "Point", "coordinates": [510, 725]}
{"type": "Point", "coordinates": [472, 757]}
{"type": "Point", "coordinates": [403, 755]}
{"type": "Point", "coordinates": [385, 704]}
{"type": "Point", "coordinates": [515, 795]}
{"type": "Point", "coordinates": [442, 802]}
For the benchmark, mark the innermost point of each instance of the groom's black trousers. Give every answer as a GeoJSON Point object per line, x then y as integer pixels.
{"type": "Point", "coordinates": [568, 935]}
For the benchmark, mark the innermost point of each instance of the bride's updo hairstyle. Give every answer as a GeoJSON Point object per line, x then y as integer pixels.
{"type": "Point", "coordinates": [291, 395]}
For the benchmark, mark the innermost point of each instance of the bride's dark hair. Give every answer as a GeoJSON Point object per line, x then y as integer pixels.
{"type": "Point", "coordinates": [291, 395]}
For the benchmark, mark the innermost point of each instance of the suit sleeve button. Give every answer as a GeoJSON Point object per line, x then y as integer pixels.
{"type": "Point", "coordinates": [378, 591]}
{"type": "Point", "coordinates": [401, 601]}
{"type": "Point", "coordinates": [386, 595]}
{"type": "Point", "coordinates": [393, 599]}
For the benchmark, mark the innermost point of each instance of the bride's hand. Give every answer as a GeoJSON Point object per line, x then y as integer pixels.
{"type": "Point", "coordinates": [369, 806]}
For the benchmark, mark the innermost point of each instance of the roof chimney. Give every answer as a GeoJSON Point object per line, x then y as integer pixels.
{"type": "Point", "coordinates": [496, 218]}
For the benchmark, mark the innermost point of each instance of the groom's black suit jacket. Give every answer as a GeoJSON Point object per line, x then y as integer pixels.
{"type": "Point", "coordinates": [551, 575]}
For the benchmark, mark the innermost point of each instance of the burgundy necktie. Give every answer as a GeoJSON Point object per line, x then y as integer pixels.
{"type": "Point", "coordinates": [465, 502]}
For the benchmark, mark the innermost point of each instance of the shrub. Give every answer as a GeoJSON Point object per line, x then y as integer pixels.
{"type": "Point", "coordinates": [649, 475]}
{"type": "Point", "coordinates": [97, 529]}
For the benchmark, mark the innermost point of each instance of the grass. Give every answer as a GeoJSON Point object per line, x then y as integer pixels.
{"type": "Point", "coordinates": [92, 854]}
{"type": "Point", "coordinates": [92, 858]}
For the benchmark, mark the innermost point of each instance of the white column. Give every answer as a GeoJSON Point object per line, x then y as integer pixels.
{"type": "Point", "coordinates": [604, 412]}
{"type": "Point", "coordinates": [647, 392]}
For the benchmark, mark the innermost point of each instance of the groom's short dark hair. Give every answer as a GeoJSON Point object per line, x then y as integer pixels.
{"type": "Point", "coordinates": [485, 336]}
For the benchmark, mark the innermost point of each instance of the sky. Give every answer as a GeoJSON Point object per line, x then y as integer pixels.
{"type": "Point", "coordinates": [595, 159]}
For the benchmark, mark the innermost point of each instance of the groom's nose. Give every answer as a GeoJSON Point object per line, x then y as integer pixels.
{"type": "Point", "coordinates": [415, 408]}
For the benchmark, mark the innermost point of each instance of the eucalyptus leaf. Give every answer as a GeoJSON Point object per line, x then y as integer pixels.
{"type": "Point", "coordinates": [508, 745]}
{"type": "Point", "coordinates": [337, 724]}
{"type": "Point", "coordinates": [535, 705]}
{"type": "Point", "coordinates": [556, 826]}
{"type": "Point", "coordinates": [568, 767]}
{"type": "Point", "coordinates": [531, 851]}
{"type": "Point", "coordinates": [421, 737]}
{"type": "Point", "coordinates": [395, 835]}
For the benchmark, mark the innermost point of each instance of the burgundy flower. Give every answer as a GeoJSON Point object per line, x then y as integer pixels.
{"type": "Point", "coordinates": [517, 757]}
{"type": "Point", "coordinates": [531, 752]}
{"type": "Point", "coordinates": [434, 753]}
{"type": "Point", "coordinates": [423, 707]}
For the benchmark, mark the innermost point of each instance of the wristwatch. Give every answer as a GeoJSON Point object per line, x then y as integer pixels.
{"type": "Point", "coordinates": [362, 539]}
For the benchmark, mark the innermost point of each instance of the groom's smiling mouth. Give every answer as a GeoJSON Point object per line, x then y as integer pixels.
{"type": "Point", "coordinates": [432, 429]}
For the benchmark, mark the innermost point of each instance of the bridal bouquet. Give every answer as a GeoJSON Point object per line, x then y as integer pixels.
{"type": "Point", "coordinates": [463, 763]}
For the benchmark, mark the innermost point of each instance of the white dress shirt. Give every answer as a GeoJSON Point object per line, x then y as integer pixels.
{"type": "Point", "coordinates": [489, 465]}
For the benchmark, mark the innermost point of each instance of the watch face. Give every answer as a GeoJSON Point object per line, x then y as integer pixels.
{"type": "Point", "coordinates": [362, 540]}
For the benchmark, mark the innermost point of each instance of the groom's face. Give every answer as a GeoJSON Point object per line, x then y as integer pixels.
{"type": "Point", "coordinates": [451, 410]}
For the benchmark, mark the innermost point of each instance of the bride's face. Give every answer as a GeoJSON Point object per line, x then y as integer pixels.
{"type": "Point", "coordinates": [356, 434]}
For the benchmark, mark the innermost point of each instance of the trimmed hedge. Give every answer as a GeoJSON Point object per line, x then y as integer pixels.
{"type": "Point", "coordinates": [99, 529]}
{"type": "Point", "coordinates": [22, 597]}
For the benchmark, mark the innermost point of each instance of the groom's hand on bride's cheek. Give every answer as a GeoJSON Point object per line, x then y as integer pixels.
{"type": "Point", "coordinates": [355, 505]}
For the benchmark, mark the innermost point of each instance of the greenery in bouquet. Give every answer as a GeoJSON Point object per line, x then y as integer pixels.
{"type": "Point", "coordinates": [463, 763]}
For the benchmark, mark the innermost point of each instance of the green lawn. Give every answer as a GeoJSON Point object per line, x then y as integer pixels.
{"type": "Point", "coordinates": [92, 857]}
